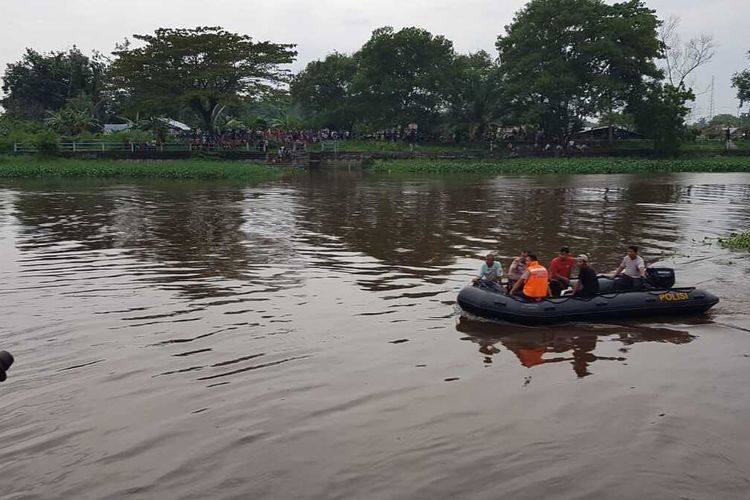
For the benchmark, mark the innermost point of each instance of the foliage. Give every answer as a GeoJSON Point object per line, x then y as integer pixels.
{"type": "Point", "coordinates": [741, 81]}
{"type": "Point", "coordinates": [736, 241]}
{"type": "Point", "coordinates": [725, 120]}
{"type": "Point", "coordinates": [74, 119]}
{"type": "Point", "coordinates": [14, 130]}
{"type": "Point", "coordinates": [323, 91]}
{"type": "Point", "coordinates": [620, 119]}
{"type": "Point", "coordinates": [40, 83]}
{"type": "Point", "coordinates": [47, 143]}
{"type": "Point", "coordinates": [401, 77]}
{"type": "Point", "coordinates": [681, 59]}
{"type": "Point", "coordinates": [475, 99]}
{"type": "Point", "coordinates": [660, 115]}
{"type": "Point", "coordinates": [179, 169]}
{"type": "Point", "coordinates": [205, 68]}
{"type": "Point", "coordinates": [564, 60]}
{"type": "Point", "coordinates": [556, 166]}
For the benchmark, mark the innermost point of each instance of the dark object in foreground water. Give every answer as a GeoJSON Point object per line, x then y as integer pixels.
{"type": "Point", "coordinates": [6, 359]}
{"type": "Point", "coordinates": [491, 301]}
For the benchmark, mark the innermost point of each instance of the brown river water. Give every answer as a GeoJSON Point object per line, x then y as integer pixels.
{"type": "Point", "coordinates": [301, 339]}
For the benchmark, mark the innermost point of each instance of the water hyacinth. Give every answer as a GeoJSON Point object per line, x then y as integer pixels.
{"type": "Point", "coordinates": [33, 167]}
{"type": "Point", "coordinates": [736, 241]}
{"type": "Point", "coordinates": [557, 166]}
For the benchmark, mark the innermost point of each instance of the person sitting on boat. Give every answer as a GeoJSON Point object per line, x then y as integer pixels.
{"type": "Point", "coordinates": [559, 271]}
{"type": "Point", "coordinates": [588, 283]}
{"type": "Point", "coordinates": [535, 281]}
{"type": "Point", "coordinates": [632, 271]}
{"type": "Point", "coordinates": [491, 269]}
{"type": "Point", "coordinates": [517, 268]}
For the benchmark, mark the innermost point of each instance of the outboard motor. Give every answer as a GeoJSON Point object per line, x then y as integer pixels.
{"type": "Point", "coordinates": [5, 361]}
{"type": "Point", "coordinates": [660, 277]}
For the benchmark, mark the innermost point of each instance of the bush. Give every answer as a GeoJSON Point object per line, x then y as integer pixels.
{"type": "Point", "coordinates": [736, 241]}
{"type": "Point", "coordinates": [47, 144]}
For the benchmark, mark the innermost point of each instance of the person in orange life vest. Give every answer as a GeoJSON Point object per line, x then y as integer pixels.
{"type": "Point", "coordinates": [535, 280]}
{"type": "Point", "coordinates": [559, 271]}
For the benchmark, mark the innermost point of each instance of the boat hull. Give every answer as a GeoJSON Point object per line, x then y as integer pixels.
{"type": "Point", "coordinates": [490, 301]}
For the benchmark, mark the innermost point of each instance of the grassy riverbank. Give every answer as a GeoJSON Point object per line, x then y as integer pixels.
{"type": "Point", "coordinates": [33, 167]}
{"type": "Point", "coordinates": [544, 166]}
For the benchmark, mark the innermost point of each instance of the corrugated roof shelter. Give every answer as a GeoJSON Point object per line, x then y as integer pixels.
{"type": "Point", "coordinates": [602, 133]}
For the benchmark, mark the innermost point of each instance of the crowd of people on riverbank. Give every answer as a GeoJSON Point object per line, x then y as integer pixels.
{"type": "Point", "coordinates": [263, 139]}
{"type": "Point", "coordinates": [529, 279]}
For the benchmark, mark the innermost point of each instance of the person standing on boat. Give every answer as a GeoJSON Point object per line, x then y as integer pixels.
{"type": "Point", "coordinates": [587, 284]}
{"type": "Point", "coordinates": [632, 272]}
{"type": "Point", "coordinates": [517, 268]}
{"type": "Point", "coordinates": [491, 269]}
{"type": "Point", "coordinates": [559, 271]}
{"type": "Point", "coordinates": [535, 281]}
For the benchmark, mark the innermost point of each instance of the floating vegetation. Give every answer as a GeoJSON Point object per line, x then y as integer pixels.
{"type": "Point", "coordinates": [557, 166]}
{"type": "Point", "coordinates": [34, 167]}
{"type": "Point", "coordinates": [736, 241]}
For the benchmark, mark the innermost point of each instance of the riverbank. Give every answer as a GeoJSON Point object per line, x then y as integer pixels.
{"type": "Point", "coordinates": [557, 166]}
{"type": "Point", "coordinates": [35, 167]}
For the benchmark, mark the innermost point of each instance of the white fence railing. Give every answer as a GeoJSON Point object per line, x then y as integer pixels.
{"type": "Point", "coordinates": [100, 146]}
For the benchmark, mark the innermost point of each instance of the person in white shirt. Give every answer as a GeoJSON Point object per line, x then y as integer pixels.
{"type": "Point", "coordinates": [491, 270]}
{"type": "Point", "coordinates": [632, 270]}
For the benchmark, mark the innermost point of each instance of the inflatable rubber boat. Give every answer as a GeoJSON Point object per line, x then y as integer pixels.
{"type": "Point", "coordinates": [657, 297]}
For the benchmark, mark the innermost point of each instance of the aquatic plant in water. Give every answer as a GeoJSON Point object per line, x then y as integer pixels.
{"type": "Point", "coordinates": [736, 241]}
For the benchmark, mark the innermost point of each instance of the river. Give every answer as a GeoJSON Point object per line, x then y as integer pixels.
{"type": "Point", "coordinates": [301, 339]}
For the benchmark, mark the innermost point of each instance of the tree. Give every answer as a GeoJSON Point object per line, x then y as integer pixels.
{"type": "Point", "coordinates": [725, 120]}
{"type": "Point", "coordinates": [401, 77]}
{"type": "Point", "coordinates": [205, 68]}
{"type": "Point", "coordinates": [682, 58]}
{"type": "Point", "coordinates": [660, 114]}
{"type": "Point", "coordinates": [475, 94]}
{"type": "Point", "coordinates": [323, 91]}
{"type": "Point", "coordinates": [42, 83]}
{"type": "Point", "coordinates": [741, 81]}
{"type": "Point", "coordinates": [565, 60]}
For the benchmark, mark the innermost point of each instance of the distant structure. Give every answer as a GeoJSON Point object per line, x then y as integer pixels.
{"type": "Point", "coordinates": [602, 133]}
{"type": "Point", "coordinates": [711, 100]}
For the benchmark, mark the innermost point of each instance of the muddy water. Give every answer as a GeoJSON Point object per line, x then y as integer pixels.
{"type": "Point", "coordinates": [300, 340]}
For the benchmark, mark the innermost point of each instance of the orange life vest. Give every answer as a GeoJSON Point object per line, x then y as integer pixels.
{"type": "Point", "coordinates": [537, 282]}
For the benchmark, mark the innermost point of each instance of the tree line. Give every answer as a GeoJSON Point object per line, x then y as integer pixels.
{"type": "Point", "coordinates": [558, 65]}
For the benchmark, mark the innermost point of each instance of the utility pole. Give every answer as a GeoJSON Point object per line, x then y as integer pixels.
{"type": "Point", "coordinates": [711, 101]}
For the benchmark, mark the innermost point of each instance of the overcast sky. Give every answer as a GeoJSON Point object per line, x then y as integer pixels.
{"type": "Point", "coordinates": [323, 26]}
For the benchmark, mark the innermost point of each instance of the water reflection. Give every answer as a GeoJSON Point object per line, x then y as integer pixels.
{"type": "Point", "coordinates": [573, 344]}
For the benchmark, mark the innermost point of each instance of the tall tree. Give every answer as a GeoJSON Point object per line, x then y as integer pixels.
{"type": "Point", "coordinates": [205, 68]}
{"type": "Point", "coordinates": [402, 76]}
{"type": "Point", "coordinates": [41, 83]}
{"type": "Point", "coordinates": [660, 113]}
{"type": "Point", "coordinates": [681, 59]}
{"type": "Point", "coordinates": [323, 91]}
{"type": "Point", "coordinates": [475, 99]}
{"type": "Point", "coordinates": [565, 60]}
{"type": "Point", "coordinates": [741, 81]}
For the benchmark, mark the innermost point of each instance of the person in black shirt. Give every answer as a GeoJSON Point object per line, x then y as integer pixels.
{"type": "Point", "coordinates": [587, 284]}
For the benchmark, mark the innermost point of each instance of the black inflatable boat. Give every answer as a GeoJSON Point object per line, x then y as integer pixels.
{"type": "Point", "coordinates": [490, 300]}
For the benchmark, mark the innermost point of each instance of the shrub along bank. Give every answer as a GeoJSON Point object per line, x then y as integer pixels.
{"type": "Point", "coordinates": [35, 167]}
{"type": "Point", "coordinates": [547, 166]}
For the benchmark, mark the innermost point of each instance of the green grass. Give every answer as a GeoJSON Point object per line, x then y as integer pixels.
{"type": "Point", "coordinates": [736, 241]}
{"type": "Point", "coordinates": [546, 166]}
{"type": "Point", "coordinates": [35, 167]}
